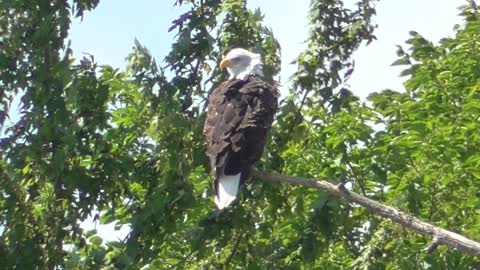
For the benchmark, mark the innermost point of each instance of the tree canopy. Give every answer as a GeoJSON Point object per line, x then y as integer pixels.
{"type": "Point", "coordinates": [128, 143]}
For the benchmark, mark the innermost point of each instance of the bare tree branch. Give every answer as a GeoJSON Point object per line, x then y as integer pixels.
{"type": "Point", "coordinates": [440, 236]}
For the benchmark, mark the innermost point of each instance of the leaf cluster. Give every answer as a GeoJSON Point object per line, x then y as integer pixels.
{"type": "Point", "coordinates": [125, 146]}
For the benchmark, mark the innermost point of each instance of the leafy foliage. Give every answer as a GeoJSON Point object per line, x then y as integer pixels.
{"type": "Point", "coordinates": [129, 143]}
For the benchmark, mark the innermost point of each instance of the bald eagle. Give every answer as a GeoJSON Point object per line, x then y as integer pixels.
{"type": "Point", "coordinates": [239, 115]}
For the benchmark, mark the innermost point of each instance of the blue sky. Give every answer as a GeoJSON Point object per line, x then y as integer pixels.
{"type": "Point", "coordinates": [109, 31]}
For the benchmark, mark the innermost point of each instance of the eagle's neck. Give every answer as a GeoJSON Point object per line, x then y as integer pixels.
{"type": "Point", "coordinates": [254, 67]}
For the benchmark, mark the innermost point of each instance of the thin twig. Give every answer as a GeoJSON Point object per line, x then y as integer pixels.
{"type": "Point", "coordinates": [298, 115]}
{"type": "Point", "coordinates": [234, 250]}
{"type": "Point", "coordinates": [357, 178]}
{"type": "Point", "coordinates": [433, 246]}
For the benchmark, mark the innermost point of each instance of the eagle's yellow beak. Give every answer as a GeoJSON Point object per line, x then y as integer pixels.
{"type": "Point", "coordinates": [224, 64]}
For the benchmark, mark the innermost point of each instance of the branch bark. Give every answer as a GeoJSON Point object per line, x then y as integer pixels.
{"type": "Point", "coordinates": [441, 236]}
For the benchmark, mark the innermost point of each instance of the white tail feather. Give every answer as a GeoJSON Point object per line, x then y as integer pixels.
{"type": "Point", "coordinates": [227, 190]}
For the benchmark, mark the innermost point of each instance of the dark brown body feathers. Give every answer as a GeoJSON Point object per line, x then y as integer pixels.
{"type": "Point", "coordinates": [239, 115]}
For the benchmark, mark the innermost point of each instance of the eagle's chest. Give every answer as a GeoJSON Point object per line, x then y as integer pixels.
{"type": "Point", "coordinates": [235, 96]}
{"type": "Point", "coordinates": [235, 106]}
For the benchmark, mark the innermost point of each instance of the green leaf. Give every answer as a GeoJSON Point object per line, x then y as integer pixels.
{"type": "Point", "coordinates": [95, 240]}
{"type": "Point", "coordinates": [401, 62]}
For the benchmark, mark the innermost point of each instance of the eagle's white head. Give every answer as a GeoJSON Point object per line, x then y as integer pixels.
{"type": "Point", "coordinates": [240, 63]}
